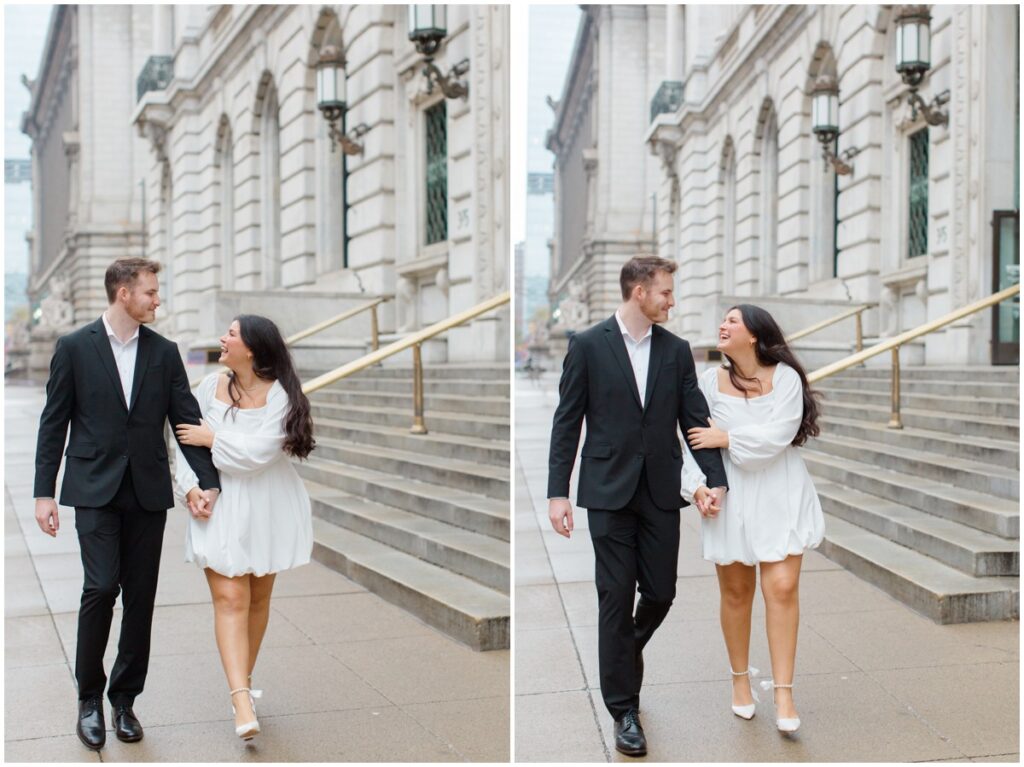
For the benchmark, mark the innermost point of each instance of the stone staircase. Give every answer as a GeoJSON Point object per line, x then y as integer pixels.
{"type": "Point", "coordinates": [421, 520]}
{"type": "Point", "coordinates": [929, 513]}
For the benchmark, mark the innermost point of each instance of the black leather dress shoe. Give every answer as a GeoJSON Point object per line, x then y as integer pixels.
{"type": "Point", "coordinates": [92, 730]}
{"type": "Point", "coordinates": [629, 735]}
{"type": "Point", "coordinates": [126, 725]}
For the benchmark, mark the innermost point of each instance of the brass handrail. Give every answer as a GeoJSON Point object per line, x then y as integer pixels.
{"type": "Point", "coordinates": [374, 332]}
{"type": "Point", "coordinates": [413, 340]}
{"type": "Point", "coordinates": [314, 329]}
{"type": "Point", "coordinates": [894, 344]}
{"type": "Point", "coordinates": [857, 310]}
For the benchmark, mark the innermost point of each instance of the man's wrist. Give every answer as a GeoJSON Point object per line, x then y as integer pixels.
{"type": "Point", "coordinates": [559, 498]}
{"type": "Point", "coordinates": [44, 497]}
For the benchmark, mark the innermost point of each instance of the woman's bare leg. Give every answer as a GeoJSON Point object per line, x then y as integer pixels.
{"type": "Point", "coordinates": [780, 583]}
{"type": "Point", "coordinates": [231, 627]}
{"type": "Point", "coordinates": [737, 584]}
{"type": "Point", "coordinates": [260, 589]}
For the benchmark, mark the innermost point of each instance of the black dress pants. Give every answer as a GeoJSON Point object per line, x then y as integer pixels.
{"type": "Point", "coordinates": [634, 546]}
{"type": "Point", "coordinates": [120, 545]}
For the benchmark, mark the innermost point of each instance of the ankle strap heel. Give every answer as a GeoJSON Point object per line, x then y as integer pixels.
{"type": "Point", "coordinates": [787, 725]}
{"type": "Point", "coordinates": [746, 711]}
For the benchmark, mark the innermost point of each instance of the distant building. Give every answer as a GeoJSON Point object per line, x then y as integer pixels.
{"type": "Point", "coordinates": [686, 131]}
{"type": "Point", "coordinates": [17, 226]}
{"type": "Point", "coordinates": [552, 29]}
{"type": "Point", "coordinates": [86, 163]}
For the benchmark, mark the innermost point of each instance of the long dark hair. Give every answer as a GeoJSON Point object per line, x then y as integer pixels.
{"type": "Point", "coordinates": [771, 349]}
{"type": "Point", "coordinates": [271, 361]}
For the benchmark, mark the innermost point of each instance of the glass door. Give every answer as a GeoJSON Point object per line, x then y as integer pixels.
{"type": "Point", "coordinates": [1006, 272]}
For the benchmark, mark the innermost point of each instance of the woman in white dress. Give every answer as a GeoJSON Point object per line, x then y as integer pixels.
{"type": "Point", "coordinates": [762, 409]}
{"type": "Point", "coordinates": [255, 418]}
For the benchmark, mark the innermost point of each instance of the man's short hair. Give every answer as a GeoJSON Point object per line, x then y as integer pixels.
{"type": "Point", "coordinates": [640, 270]}
{"type": "Point", "coordinates": [125, 271]}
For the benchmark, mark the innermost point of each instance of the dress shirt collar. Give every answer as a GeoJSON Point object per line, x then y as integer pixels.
{"type": "Point", "coordinates": [625, 331]}
{"type": "Point", "coordinates": [112, 334]}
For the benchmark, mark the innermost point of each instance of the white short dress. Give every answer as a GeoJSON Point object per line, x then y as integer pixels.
{"type": "Point", "coordinates": [262, 522]}
{"type": "Point", "coordinates": [771, 510]}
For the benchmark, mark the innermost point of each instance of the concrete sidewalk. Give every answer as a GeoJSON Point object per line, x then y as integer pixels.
{"type": "Point", "coordinates": [347, 676]}
{"type": "Point", "coordinates": [874, 680]}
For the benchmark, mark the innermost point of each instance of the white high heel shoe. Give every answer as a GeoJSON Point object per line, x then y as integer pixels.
{"type": "Point", "coordinates": [247, 730]}
{"type": "Point", "coordinates": [785, 725]}
{"type": "Point", "coordinates": [746, 711]}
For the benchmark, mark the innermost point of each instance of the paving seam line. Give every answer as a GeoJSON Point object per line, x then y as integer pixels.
{"type": "Point", "coordinates": [565, 613]}
{"type": "Point", "coordinates": [928, 725]}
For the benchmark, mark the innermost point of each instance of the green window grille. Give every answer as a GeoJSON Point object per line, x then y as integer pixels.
{"type": "Point", "coordinates": [437, 174]}
{"type": "Point", "coordinates": [917, 239]}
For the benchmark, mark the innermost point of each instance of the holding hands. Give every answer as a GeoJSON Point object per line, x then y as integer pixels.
{"type": "Point", "coordinates": [200, 502]}
{"type": "Point", "coordinates": [709, 502]}
{"type": "Point", "coordinates": [190, 434]}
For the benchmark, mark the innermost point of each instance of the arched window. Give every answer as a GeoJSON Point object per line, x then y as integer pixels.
{"type": "Point", "coordinates": [225, 163]}
{"type": "Point", "coordinates": [167, 213]}
{"type": "Point", "coordinates": [728, 179]}
{"type": "Point", "coordinates": [769, 234]}
{"type": "Point", "coordinates": [270, 188]}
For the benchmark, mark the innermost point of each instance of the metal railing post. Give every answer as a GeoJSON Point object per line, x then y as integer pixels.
{"type": "Point", "coordinates": [895, 421]}
{"type": "Point", "coordinates": [418, 426]}
{"type": "Point", "coordinates": [374, 329]}
{"type": "Point", "coordinates": [860, 331]}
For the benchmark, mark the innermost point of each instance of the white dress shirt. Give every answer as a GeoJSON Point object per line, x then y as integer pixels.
{"type": "Point", "coordinates": [639, 355]}
{"type": "Point", "coordinates": [124, 355]}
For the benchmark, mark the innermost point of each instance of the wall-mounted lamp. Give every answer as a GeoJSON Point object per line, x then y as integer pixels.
{"type": "Point", "coordinates": [428, 27]}
{"type": "Point", "coordinates": [330, 98]}
{"type": "Point", "coordinates": [913, 60]}
{"type": "Point", "coordinates": [825, 123]}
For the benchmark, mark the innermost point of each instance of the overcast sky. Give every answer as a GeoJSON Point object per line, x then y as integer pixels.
{"type": "Point", "coordinates": [24, 36]}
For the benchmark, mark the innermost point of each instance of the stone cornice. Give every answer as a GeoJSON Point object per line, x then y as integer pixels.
{"type": "Point", "coordinates": [771, 32]}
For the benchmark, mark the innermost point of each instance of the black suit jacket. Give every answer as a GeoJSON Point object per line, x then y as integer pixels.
{"type": "Point", "coordinates": [108, 436]}
{"type": "Point", "coordinates": [623, 435]}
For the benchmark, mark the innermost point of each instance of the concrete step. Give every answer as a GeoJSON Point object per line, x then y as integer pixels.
{"type": "Point", "coordinates": [961, 472]}
{"type": "Point", "coordinates": [967, 405]}
{"type": "Point", "coordinates": [988, 513]}
{"type": "Point", "coordinates": [964, 548]}
{"type": "Point", "coordinates": [991, 373]}
{"type": "Point", "coordinates": [999, 452]}
{"type": "Point", "coordinates": [932, 588]}
{"type": "Point", "coordinates": [366, 381]}
{"type": "Point", "coordinates": [487, 516]}
{"type": "Point", "coordinates": [437, 421]}
{"type": "Point", "coordinates": [491, 481]}
{"type": "Point", "coordinates": [935, 420]}
{"type": "Point", "coordinates": [468, 405]}
{"type": "Point", "coordinates": [484, 559]}
{"type": "Point", "coordinates": [498, 371]}
{"type": "Point", "coordinates": [972, 388]}
{"type": "Point", "coordinates": [460, 607]}
{"type": "Point", "coordinates": [472, 449]}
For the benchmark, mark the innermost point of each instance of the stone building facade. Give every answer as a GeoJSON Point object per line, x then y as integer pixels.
{"type": "Point", "coordinates": [233, 185]}
{"type": "Point", "coordinates": [687, 131]}
{"type": "Point", "coordinates": [252, 207]}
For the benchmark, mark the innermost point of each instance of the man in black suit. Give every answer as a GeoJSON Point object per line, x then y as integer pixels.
{"type": "Point", "coordinates": [632, 382]}
{"type": "Point", "coordinates": [116, 383]}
